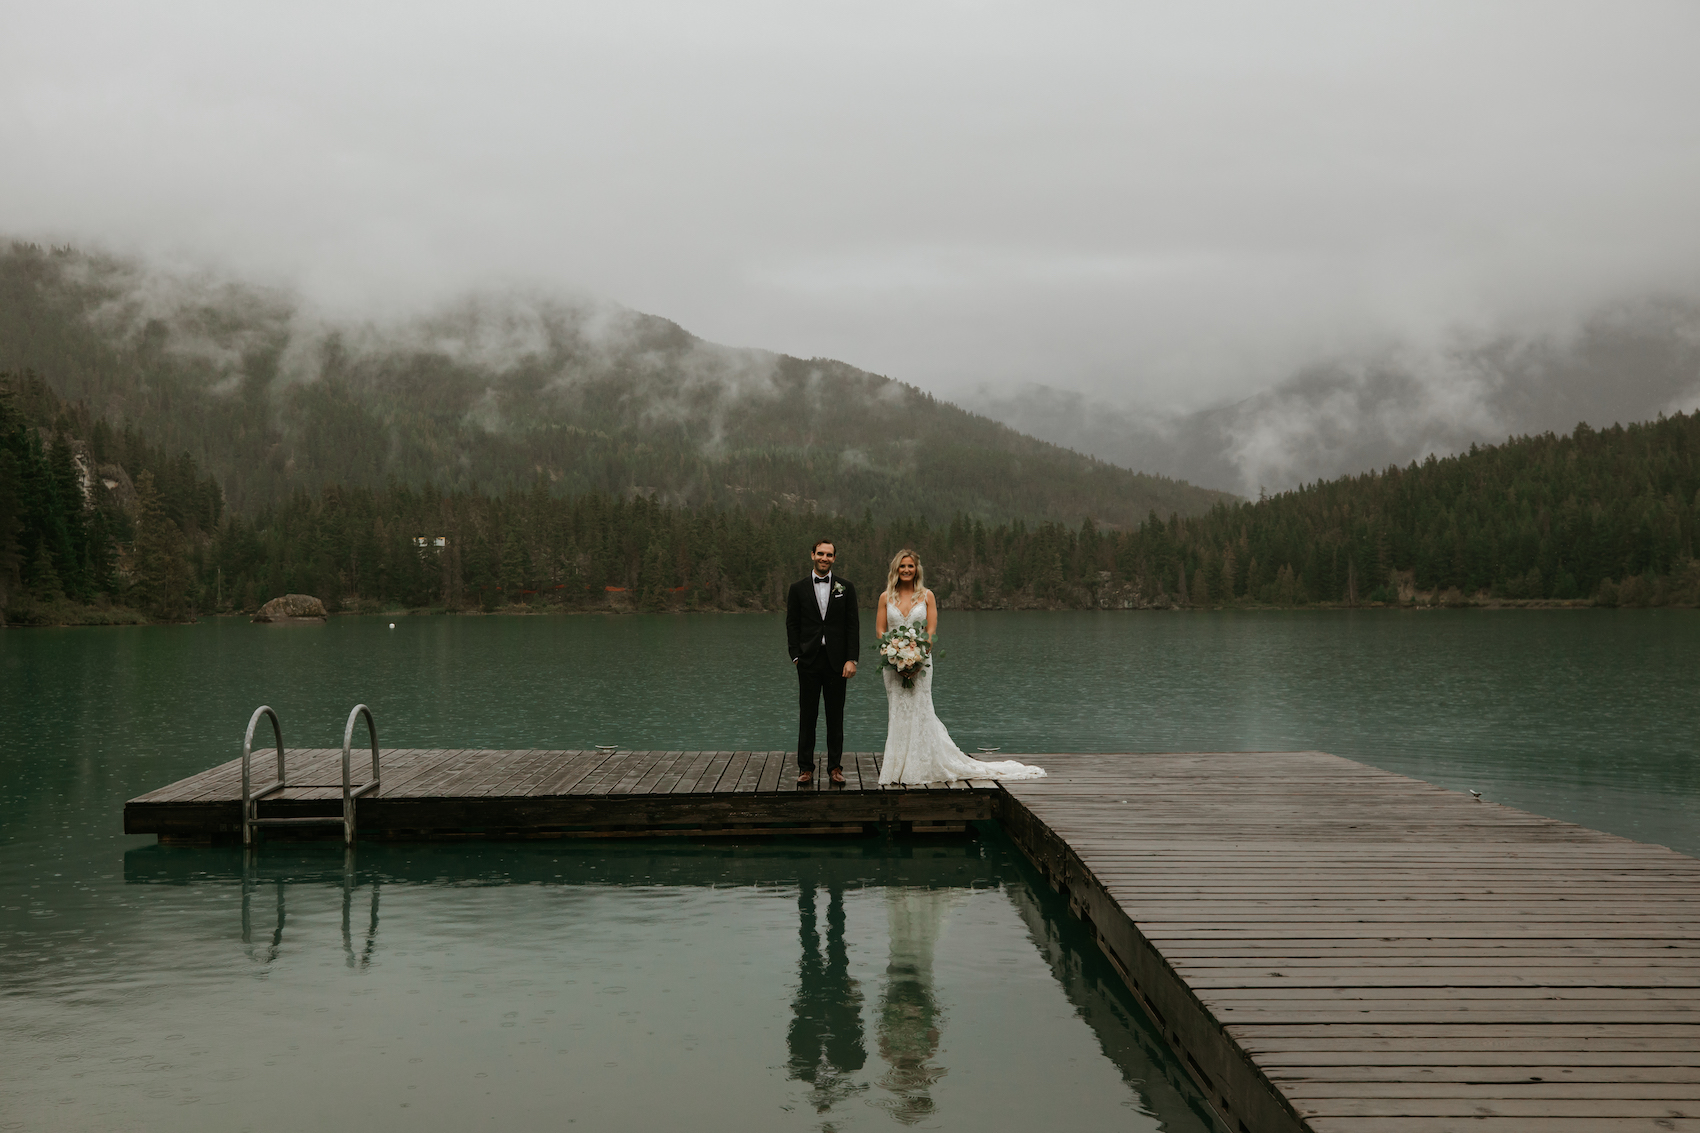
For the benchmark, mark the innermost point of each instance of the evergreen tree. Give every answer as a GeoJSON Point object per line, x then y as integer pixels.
{"type": "Point", "coordinates": [160, 577]}
{"type": "Point", "coordinates": [71, 554]}
{"type": "Point", "coordinates": [45, 587]}
{"type": "Point", "coordinates": [11, 502]}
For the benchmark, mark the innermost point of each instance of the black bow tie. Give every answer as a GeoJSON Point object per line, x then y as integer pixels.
{"type": "Point", "coordinates": [819, 581]}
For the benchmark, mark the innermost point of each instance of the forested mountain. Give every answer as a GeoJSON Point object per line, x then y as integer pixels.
{"type": "Point", "coordinates": [1603, 515]}
{"type": "Point", "coordinates": [497, 391]}
{"type": "Point", "coordinates": [1607, 515]}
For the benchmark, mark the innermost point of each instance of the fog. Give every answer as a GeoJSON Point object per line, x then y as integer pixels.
{"type": "Point", "coordinates": [1158, 210]}
{"type": "Point", "coordinates": [1333, 418]}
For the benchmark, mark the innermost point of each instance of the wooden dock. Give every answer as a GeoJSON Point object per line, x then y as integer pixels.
{"type": "Point", "coordinates": [1326, 946]}
{"type": "Point", "coordinates": [439, 794]}
{"type": "Point", "coordinates": [1336, 948]}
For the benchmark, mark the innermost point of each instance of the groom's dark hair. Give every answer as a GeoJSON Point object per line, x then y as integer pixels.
{"type": "Point", "coordinates": [828, 542]}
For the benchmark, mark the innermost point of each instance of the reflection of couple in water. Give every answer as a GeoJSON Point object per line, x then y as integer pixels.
{"type": "Point", "coordinates": [825, 1037]}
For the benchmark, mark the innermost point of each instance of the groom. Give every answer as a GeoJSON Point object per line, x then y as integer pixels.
{"type": "Point", "coordinates": [825, 636]}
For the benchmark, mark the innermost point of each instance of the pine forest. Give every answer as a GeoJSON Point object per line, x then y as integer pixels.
{"type": "Point", "coordinates": [97, 525]}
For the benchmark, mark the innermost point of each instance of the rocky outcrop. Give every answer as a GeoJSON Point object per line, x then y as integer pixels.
{"type": "Point", "coordinates": [292, 608]}
{"type": "Point", "coordinates": [111, 482]}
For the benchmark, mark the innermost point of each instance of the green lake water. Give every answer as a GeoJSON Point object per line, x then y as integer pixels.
{"type": "Point", "coordinates": [790, 985]}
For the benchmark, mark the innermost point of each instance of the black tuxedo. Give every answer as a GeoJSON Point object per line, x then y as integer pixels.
{"type": "Point", "coordinates": [819, 647]}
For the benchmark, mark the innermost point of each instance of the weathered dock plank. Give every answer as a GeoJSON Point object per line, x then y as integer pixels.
{"type": "Point", "coordinates": [1332, 947]}
{"type": "Point", "coordinates": [571, 768]}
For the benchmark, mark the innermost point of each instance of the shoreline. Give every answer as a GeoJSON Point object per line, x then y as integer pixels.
{"type": "Point", "coordinates": [118, 616]}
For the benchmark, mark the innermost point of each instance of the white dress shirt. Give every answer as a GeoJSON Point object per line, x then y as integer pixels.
{"type": "Point", "coordinates": [823, 595]}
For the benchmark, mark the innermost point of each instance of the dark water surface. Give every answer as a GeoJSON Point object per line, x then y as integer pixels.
{"type": "Point", "coordinates": [853, 984]}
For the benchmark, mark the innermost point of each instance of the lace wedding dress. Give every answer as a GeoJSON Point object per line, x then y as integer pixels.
{"type": "Point", "coordinates": [918, 749]}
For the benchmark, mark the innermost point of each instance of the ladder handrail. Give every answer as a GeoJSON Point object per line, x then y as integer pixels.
{"type": "Point", "coordinates": [251, 819]}
{"type": "Point", "coordinates": [348, 794]}
{"type": "Point", "coordinates": [250, 802]}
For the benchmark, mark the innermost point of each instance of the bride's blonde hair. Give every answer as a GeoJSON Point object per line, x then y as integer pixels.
{"type": "Point", "coordinates": [891, 575]}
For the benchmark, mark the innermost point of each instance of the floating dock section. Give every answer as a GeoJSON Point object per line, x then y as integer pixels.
{"type": "Point", "coordinates": [450, 794]}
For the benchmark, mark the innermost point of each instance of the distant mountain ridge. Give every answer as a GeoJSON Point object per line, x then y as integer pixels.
{"type": "Point", "coordinates": [1626, 362]}
{"type": "Point", "coordinates": [504, 390]}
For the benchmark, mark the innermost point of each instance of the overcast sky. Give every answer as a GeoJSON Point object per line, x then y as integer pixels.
{"type": "Point", "coordinates": [1157, 203]}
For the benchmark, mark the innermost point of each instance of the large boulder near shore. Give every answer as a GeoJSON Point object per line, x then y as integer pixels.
{"type": "Point", "coordinates": [292, 608]}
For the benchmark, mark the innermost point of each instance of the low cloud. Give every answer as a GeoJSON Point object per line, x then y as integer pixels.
{"type": "Point", "coordinates": [506, 360]}
{"type": "Point", "coordinates": [1144, 203]}
{"type": "Point", "coordinates": [1627, 363]}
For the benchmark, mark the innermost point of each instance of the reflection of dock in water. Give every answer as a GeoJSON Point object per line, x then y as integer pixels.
{"type": "Point", "coordinates": [1126, 1035]}
{"type": "Point", "coordinates": [859, 1037]}
{"type": "Point", "coordinates": [1325, 946]}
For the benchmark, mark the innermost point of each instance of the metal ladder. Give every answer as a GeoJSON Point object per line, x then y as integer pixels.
{"type": "Point", "coordinates": [251, 820]}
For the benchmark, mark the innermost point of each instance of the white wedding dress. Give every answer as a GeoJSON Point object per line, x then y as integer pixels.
{"type": "Point", "coordinates": [918, 749]}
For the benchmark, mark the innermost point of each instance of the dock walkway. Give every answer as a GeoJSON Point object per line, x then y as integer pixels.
{"type": "Point", "coordinates": [1337, 948]}
{"type": "Point", "coordinates": [1327, 947]}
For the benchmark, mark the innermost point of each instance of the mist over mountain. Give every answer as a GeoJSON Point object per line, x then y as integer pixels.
{"type": "Point", "coordinates": [508, 387]}
{"type": "Point", "coordinates": [1630, 362]}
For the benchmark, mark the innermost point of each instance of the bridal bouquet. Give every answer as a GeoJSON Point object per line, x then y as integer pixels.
{"type": "Point", "coordinates": [905, 649]}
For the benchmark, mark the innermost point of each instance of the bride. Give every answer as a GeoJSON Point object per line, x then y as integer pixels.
{"type": "Point", "coordinates": [917, 747]}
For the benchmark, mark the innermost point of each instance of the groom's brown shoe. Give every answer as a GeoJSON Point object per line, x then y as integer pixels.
{"type": "Point", "coordinates": [838, 775]}
{"type": "Point", "coordinates": [805, 777]}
